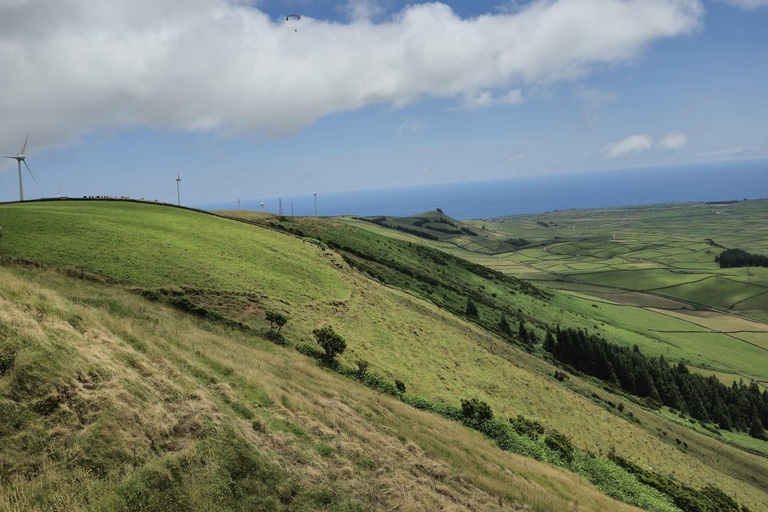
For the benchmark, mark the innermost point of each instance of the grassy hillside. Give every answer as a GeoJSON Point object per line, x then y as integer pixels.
{"type": "Point", "coordinates": [111, 402]}
{"type": "Point", "coordinates": [659, 266]}
{"type": "Point", "coordinates": [439, 356]}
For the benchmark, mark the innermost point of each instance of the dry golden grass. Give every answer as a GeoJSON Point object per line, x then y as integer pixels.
{"type": "Point", "coordinates": [147, 383]}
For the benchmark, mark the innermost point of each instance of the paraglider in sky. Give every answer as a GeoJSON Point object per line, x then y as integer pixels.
{"type": "Point", "coordinates": [297, 16]}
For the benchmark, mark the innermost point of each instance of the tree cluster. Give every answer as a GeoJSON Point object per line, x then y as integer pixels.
{"type": "Point", "coordinates": [730, 258]}
{"type": "Point", "coordinates": [737, 407]}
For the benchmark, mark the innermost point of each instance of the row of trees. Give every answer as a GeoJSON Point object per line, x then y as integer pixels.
{"type": "Point", "coordinates": [738, 407]}
{"type": "Point", "coordinates": [730, 258]}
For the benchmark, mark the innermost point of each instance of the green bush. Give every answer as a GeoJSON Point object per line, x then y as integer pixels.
{"type": "Point", "coordinates": [150, 295]}
{"type": "Point", "coordinates": [476, 410]}
{"type": "Point", "coordinates": [331, 342]}
{"type": "Point", "coordinates": [531, 429]}
{"type": "Point", "coordinates": [561, 444]}
{"type": "Point", "coordinates": [400, 385]}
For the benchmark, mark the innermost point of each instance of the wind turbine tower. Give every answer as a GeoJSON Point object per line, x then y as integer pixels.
{"type": "Point", "coordinates": [262, 206]}
{"type": "Point", "coordinates": [21, 158]}
{"type": "Point", "coordinates": [315, 204]}
{"type": "Point", "coordinates": [178, 189]}
{"type": "Point", "coordinates": [238, 203]}
{"type": "Point", "coordinates": [280, 205]}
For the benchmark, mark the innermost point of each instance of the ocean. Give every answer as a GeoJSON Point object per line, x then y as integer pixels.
{"type": "Point", "coordinates": [536, 194]}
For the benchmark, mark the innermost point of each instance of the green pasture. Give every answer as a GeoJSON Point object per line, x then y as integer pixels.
{"type": "Point", "coordinates": [715, 292]}
{"type": "Point", "coordinates": [641, 279]}
{"type": "Point", "coordinates": [154, 246]}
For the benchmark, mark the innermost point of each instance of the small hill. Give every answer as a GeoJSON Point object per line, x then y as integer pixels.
{"type": "Point", "coordinates": [439, 227]}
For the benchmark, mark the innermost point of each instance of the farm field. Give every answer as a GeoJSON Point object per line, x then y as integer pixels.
{"type": "Point", "coordinates": [413, 332]}
{"type": "Point", "coordinates": [650, 258]}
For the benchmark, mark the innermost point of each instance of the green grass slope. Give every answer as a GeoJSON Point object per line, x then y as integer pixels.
{"type": "Point", "coordinates": [133, 406]}
{"type": "Point", "coordinates": [439, 356]}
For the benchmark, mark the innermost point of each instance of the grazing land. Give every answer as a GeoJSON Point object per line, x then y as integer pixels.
{"type": "Point", "coordinates": [143, 403]}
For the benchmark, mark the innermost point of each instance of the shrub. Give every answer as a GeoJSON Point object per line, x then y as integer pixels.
{"type": "Point", "coordinates": [276, 337]}
{"type": "Point", "coordinates": [150, 295]}
{"type": "Point", "coordinates": [560, 443]}
{"type": "Point", "coordinates": [560, 376]}
{"type": "Point", "coordinates": [362, 367]}
{"type": "Point", "coordinates": [477, 410]}
{"type": "Point", "coordinates": [330, 341]}
{"type": "Point", "coordinates": [531, 429]}
{"type": "Point", "coordinates": [400, 385]}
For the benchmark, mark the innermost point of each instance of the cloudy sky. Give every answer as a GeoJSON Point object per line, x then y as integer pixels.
{"type": "Point", "coordinates": [120, 96]}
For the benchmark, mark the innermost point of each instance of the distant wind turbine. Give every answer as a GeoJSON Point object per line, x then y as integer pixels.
{"type": "Point", "coordinates": [178, 188]}
{"type": "Point", "coordinates": [262, 206]}
{"type": "Point", "coordinates": [21, 158]}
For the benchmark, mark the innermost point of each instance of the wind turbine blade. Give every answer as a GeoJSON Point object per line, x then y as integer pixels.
{"type": "Point", "coordinates": [30, 171]}
{"type": "Point", "coordinates": [9, 157]}
{"type": "Point", "coordinates": [25, 144]}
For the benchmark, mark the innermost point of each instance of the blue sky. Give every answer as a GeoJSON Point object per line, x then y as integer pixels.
{"type": "Point", "coordinates": [371, 94]}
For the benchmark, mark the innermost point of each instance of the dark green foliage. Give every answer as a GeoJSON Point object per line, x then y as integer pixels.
{"type": "Point", "coordinates": [756, 429]}
{"type": "Point", "coordinates": [276, 337]}
{"type": "Point", "coordinates": [549, 342]}
{"type": "Point", "coordinates": [150, 295]}
{"type": "Point", "coordinates": [704, 398]}
{"type": "Point", "coordinates": [688, 499]}
{"type": "Point", "coordinates": [517, 242]}
{"type": "Point", "coordinates": [331, 342]}
{"type": "Point", "coordinates": [276, 320]}
{"type": "Point", "coordinates": [7, 359]}
{"type": "Point", "coordinates": [560, 376]}
{"type": "Point", "coordinates": [400, 385]}
{"type": "Point", "coordinates": [476, 410]}
{"type": "Point", "coordinates": [730, 258]}
{"type": "Point", "coordinates": [505, 327]}
{"type": "Point", "coordinates": [560, 443]}
{"type": "Point", "coordinates": [471, 309]}
{"type": "Point", "coordinates": [528, 428]}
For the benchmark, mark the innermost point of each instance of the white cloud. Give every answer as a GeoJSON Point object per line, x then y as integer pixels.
{"type": "Point", "coordinates": [631, 144]}
{"type": "Point", "coordinates": [411, 126]}
{"type": "Point", "coordinates": [747, 4]}
{"type": "Point", "coordinates": [674, 140]}
{"type": "Point", "coordinates": [517, 157]}
{"type": "Point", "coordinates": [69, 67]}
{"type": "Point", "coordinates": [357, 10]}
{"type": "Point", "coordinates": [487, 99]}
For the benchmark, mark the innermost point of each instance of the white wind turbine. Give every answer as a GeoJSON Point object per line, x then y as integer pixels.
{"type": "Point", "coordinates": [21, 158]}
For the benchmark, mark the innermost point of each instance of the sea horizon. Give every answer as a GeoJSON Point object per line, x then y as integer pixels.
{"type": "Point", "coordinates": [716, 181]}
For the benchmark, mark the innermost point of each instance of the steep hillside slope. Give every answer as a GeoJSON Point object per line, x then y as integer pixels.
{"type": "Point", "coordinates": [439, 357]}
{"type": "Point", "coordinates": [111, 402]}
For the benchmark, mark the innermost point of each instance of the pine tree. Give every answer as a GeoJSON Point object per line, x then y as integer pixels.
{"type": "Point", "coordinates": [549, 342]}
{"type": "Point", "coordinates": [471, 309]}
{"type": "Point", "coordinates": [756, 430]}
{"type": "Point", "coordinates": [504, 326]}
